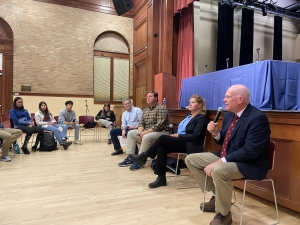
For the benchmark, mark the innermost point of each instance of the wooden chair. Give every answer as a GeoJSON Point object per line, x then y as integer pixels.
{"type": "Point", "coordinates": [272, 149]}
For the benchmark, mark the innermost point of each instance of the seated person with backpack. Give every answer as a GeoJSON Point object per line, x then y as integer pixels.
{"type": "Point", "coordinates": [189, 139]}
{"type": "Point", "coordinates": [43, 118]}
{"type": "Point", "coordinates": [23, 121]}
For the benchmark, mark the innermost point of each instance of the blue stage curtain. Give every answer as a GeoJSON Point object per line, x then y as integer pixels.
{"type": "Point", "coordinates": [225, 36]}
{"type": "Point", "coordinates": [246, 47]}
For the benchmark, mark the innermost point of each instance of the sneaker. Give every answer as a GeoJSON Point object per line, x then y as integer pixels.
{"type": "Point", "coordinates": [5, 159]}
{"type": "Point", "coordinates": [135, 166]}
{"type": "Point", "coordinates": [65, 144]}
{"type": "Point", "coordinates": [126, 162]}
{"type": "Point", "coordinates": [117, 152]}
{"type": "Point", "coordinates": [77, 142]}
{"type": "Point", "coordinates": [34, 148]}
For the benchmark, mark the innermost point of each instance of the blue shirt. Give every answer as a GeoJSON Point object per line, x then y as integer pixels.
{"type": "Point", "coordinates": [131, 117]}
{"type": "Point", "coordinates": [182, 125]}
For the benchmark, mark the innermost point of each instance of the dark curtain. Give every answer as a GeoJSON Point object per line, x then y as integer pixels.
{"type": "Point", "coordinates": [225, 36]}
{"type": "Point", "coordinates": [277, 43]}
{"type": "Point", "coordinates": [246, 48]}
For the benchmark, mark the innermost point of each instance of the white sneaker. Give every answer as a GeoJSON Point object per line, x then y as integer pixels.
{"type": "Point", "coordinates": [5, 159]}
{"type": "Point", "coordinates": [77, 142]}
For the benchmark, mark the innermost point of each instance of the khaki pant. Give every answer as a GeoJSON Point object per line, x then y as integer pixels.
{"type": "Point", "coordinates": [108, 124]}
{"type": "Point", "coordinates": [8, 135]}
{"type": "Point", "coordinates": [146, 141]}
{"type": "Point", "coordinates": [222, 174]}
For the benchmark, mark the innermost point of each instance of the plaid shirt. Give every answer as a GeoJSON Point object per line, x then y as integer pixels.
{"type": "Point", "coordinates": [155, 118]}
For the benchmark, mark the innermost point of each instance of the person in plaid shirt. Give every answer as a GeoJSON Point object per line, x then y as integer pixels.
{"type": "Point", "coordinates": [153, 124]}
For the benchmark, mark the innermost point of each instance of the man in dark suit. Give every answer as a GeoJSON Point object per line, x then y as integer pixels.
{"type": "Point", "coordinates": [245, 138]}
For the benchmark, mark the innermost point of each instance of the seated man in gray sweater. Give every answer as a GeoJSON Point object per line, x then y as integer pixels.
{"type": "Point", "coordinates": [67, 119]}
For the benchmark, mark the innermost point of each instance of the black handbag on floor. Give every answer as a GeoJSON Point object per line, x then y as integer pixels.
{"type": "Point", "coordinates": [48, 142]}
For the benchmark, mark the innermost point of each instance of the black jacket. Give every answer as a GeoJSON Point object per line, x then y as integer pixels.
{"type": "Point", "coordinates": [195, 134]}
{"type": "Point", "coordinates": [112, 116]}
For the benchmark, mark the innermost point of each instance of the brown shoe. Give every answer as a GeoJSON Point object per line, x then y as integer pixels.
{"type": "Point", "coordinates": [219, 219]}
{"type": "Point", "coordinates": [117, 152]}
{"type": "Point", "coordinates": [109, 141]}
{"type": "Point", "coordinates": [209, 206]}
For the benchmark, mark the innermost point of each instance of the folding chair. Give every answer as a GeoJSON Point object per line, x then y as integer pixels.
{"type": "Point", "coordinates": [85, 120]}
{"type": "Point", "coordinates": [272, 149]}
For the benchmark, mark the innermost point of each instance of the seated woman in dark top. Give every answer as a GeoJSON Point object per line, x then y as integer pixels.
{"type": "Point", "coordinates": [106, 117]}
{"type": "Point", "coordinates": [23, 121]}
{"type": "Point", "coordinates": [189, 139]}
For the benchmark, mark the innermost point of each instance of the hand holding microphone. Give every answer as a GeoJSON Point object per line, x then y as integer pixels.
{"type": "Point", "coordinates": [212, 127]}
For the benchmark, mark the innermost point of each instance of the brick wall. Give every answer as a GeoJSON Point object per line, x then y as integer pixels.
{"type": "Point", "coordinates": [53, 45]}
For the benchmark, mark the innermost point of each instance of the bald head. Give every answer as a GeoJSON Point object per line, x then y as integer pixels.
{"type": "Point", "coordinates": [236, 98]}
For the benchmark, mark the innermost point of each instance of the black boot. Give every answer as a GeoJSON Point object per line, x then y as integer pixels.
{"type": "Point", "coordinates": [141, 158]}
{"type": "Point", "coordinates": [24, 147]}
{"type": "Point", "coordinates": [66, 144]}
{"type": "Point", "coordinates": [37, 141]}
{"type": "Point", "coordinates": [160, 181]}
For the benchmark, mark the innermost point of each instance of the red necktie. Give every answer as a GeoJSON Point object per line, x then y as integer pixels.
{"type": "Point", "coordinates": [226, 140]}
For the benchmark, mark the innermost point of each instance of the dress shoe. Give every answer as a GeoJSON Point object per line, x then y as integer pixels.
{"type": "Point", "coordinates": [141, 158]}
{"type": "Point", "coordinates": [209, 206]}
{"type": "Point", "coordinates": [109, 141]}
{"type": "Point", "coordinates": [160, 181]}
{"type": "Point", "coordinates": [66, 144]}
{"type": "Point", "coordinates": [219, 219]}
{"type": "Point", "coordinates": [117, 152]}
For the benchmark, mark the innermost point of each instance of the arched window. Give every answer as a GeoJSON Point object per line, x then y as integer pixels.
{"type": "Point", "coordinates": [111, 68]}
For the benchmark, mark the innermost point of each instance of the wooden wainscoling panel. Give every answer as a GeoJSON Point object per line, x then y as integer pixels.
{"type": "Point", "coordinates": [285, 131]}
{"type": "Point", "coordinates": [140, 83]}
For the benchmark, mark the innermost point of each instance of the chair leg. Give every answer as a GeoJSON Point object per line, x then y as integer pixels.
{"type": "Point", "coordinates": [204, 193]}
{"type": "Point", "coordinates": [177, 163]}
{"type": "Point", "coordinates": [243, 201]}
{"type": "Point", "coordinates": [275, 202]}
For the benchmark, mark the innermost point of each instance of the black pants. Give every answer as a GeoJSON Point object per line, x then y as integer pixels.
{"type": "Point", "coordinates": [30, 130]}
{"type": "Point", "coordinates": [162, 147]}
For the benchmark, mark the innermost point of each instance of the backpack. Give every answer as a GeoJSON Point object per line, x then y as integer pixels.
{"type": "Point", "coordinates": [48, 142]}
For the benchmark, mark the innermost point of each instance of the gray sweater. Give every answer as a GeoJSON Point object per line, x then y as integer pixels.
{"type": "Point", "coordinates": [65, 116]}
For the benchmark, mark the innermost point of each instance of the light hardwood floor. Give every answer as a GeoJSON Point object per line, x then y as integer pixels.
{"type": "Point", "coordinates": [84, 185]}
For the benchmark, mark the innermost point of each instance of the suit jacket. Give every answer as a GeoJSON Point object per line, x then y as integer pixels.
{"type": "Point", "coordinates": [249, 142]}
{"type": "Point", "coordinates": [195, 134]}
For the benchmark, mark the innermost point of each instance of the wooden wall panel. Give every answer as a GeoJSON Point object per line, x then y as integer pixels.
{"type": "Point", "coordinates": [140, 38]}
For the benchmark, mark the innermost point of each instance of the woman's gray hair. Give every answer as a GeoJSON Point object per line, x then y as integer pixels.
{"type": "Point", "coordinates": [126, 99]}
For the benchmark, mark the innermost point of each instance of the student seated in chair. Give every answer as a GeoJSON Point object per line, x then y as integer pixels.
{"type": "Point", "coordinates": [245, 139]}
{"type": "Point", "coordinates": [23, 121]}
{"type": "Point", "coordinates": [67, 119]}
{"type": "Point", "coordinates": [106, 117]}
{"type": "Point", "coordinates": [8, 136]}
{"type": "Point", "coordinates": [130, 120]}
{"type": "Point", "coordinates": [188, 139]}
{"type": "Point", "coordinates": [44, 118]}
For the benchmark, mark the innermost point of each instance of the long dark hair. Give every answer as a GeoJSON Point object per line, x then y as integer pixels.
{"type": "Point", "coordinates": [104, 113]}
{"type": "Point", "coordinates": [46, 112]}
{"type": "Point", "coordinates": [15, 104]}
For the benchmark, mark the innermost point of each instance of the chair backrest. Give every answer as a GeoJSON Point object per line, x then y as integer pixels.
{"type": "Point", "coordinates": [272, 149]}
{"type": "Point", "coordinates": [85, 119]}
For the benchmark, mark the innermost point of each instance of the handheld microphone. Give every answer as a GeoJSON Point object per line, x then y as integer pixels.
{"type": "Point", "coordinates": [220, 110]}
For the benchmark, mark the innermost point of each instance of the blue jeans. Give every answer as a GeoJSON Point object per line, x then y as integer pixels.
{"type": "Point", "coordinates": [66, 127]}
{"type": "Point", "coordinates": [58, 134]}
{"type": "Point", "coordinates": [114, 133]}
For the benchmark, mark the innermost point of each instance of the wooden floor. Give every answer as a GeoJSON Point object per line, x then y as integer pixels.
{"type": "Point", "coordinates": [84, 185]}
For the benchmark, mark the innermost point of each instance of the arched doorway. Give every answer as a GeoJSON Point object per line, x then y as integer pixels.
{"type": "Point", "coordinates": [6, 66]}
